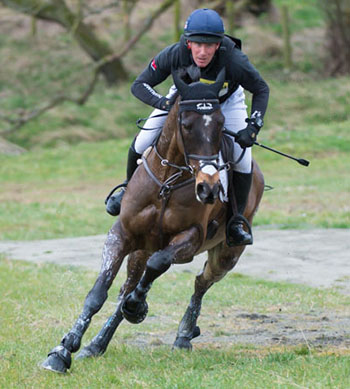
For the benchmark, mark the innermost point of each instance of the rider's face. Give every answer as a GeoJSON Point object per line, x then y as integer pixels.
{"type": "Point", "coordinates": [202, 53]}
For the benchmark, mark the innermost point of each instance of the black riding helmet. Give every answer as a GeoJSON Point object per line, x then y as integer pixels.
{"type": "Point", "coordinates": [204, 26]}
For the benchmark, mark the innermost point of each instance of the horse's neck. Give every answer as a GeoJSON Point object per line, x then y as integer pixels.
{"type": "Point", "coordinates": [167, 143]}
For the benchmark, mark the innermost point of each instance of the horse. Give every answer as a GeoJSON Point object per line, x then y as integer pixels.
{"type": "Point", "coordinates": [171, 211]}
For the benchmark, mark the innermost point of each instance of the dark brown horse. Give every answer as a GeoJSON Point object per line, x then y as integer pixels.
{"type": "Point", "coordinates": [171, 211]}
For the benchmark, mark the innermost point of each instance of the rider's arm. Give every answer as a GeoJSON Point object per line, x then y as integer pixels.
{"type": "Point", "coordinates": [156, 72]}
{"type": "Point", "coordinates": [251, 80]}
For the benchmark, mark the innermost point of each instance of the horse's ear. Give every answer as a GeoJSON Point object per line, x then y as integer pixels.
{"type": "Point", "coordinates": [219, 81]}
{"type": "Point", "coordinates": [179, 83]}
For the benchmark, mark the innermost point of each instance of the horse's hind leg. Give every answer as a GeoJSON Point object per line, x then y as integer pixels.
{"type": "Point", "coordinates": [220, 260]}
{"type": "Point", "coordinates": [136, 266]}
{"type": "Point", "coordinates": [114, 251]}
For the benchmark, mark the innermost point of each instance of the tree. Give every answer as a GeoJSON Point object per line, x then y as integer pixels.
{"type": "Point", "coordinates": [337, 36]}
{"type": "Point", "coordinates": [57, 11]}
{"type": "Point", "coordinates": [106, 61]}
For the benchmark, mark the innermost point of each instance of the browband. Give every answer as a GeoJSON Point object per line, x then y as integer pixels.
{"type": "Point", "coordinates": [202, 106]}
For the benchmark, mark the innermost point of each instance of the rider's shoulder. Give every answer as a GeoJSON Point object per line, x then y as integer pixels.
{"type": "Point", "coordinates": [231, 43]}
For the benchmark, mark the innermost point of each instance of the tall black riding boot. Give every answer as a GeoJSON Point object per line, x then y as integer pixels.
{"type": "Point", "coordinates": [114, 201]}
{"type": "Point", "coordinates": [235, 234]}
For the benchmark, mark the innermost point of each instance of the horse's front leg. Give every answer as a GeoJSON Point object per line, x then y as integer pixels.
{"type": "Point", "coordinates": [98, 345]}
{"type": "Point", "coordinates": [114, 251]}
{"type": "Point", "coordinates": [182, 246]}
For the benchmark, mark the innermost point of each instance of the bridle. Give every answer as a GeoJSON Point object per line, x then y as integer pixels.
{"type": "Point", "coordinates": [203, 107]}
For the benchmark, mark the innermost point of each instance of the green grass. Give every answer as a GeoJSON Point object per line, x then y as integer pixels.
{"type": "Point", "coordinates": [76, 154]}
{"type": "Point", "coordinates": [60, 192]}
{"type": "Point", "coordinates": [39, 303]}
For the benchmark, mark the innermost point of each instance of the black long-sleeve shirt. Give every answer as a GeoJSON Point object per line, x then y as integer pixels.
{"type": "Point", "coordinates": [239, 71]}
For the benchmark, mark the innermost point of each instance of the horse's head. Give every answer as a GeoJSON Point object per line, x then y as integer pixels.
{"type": "Point", "coordinates": [199, 134]}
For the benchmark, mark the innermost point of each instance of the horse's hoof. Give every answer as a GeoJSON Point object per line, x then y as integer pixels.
{"type": "Point", "coordinates": [59, 360]}
{"type": "Point", "coordinates": [135, 314]}
{"type": "Point", "coordinates": [182, 343]}
{"type": "Point", "coordinates": [89, 351]}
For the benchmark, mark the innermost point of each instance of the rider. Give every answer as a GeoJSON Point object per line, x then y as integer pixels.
{"type": "Point", "coordinates": [205, 45]}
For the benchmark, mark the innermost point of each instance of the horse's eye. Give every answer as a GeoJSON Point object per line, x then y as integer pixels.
{"type": "Point", "coordinates": [186, 126]}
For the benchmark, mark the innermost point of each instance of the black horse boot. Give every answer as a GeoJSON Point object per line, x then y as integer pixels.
{"type": "Point", "coordinates": [113, 202]}
{"type": "Point", "coordinates": [235, 234]}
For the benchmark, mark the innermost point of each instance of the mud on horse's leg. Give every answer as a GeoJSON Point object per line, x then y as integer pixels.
{"type": "Point", "coordinates": [220, 260]}
{"type": "Point", "coordinates": [183, 245]}
{"type": "Point", "coordinates": [59, 359]}
{"type": "Point", "coordinates": [136, 266]}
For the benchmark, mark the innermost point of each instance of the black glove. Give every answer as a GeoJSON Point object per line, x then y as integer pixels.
{"type": "Point", "coordinates": [247, 136]}
{"type": "Point", "coordinates": [164, 104]}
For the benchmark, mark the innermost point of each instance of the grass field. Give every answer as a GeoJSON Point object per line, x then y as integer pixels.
{"type": "Point", "coordinates": [40, 302]}
{"type": "Point", "coordinates": [60, 192]}
{"type": "Point", "coordinates": [76, 154]}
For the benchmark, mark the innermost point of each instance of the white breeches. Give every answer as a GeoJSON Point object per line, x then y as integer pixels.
{"type": "Point", "coordinates": [234, 110]}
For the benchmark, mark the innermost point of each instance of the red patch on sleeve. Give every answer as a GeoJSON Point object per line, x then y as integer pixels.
{"type": "Point", "coordinates": [154, 65]}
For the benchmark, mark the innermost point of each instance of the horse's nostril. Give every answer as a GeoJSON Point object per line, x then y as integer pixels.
{"type": "Point", "coordinates": [200, 189]}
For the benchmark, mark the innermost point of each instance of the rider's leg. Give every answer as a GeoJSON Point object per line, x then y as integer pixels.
{"type": "Point", "coordinates": [113, 203]}
{"type": "Point", "coordinates": [235, 233]}
{"type": "Point", "coordinates": [234, 110]}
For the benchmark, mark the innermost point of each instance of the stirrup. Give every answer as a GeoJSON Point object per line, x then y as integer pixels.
{"type": "Point", "coordinates": [238, 220]}
{"type": "Point", "coordinates": [123, 185]}
{"type": "Point", "coordinates": [113, 202]}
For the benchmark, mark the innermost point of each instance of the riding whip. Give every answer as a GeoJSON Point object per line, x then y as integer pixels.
{"type": "Point", "coordinates": [302, 161]}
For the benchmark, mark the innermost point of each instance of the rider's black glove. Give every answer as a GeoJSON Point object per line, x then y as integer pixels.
{"type": "Point", "coordinates": [164, 104]}
{"type": "Point", "coordinates": [247, 136]}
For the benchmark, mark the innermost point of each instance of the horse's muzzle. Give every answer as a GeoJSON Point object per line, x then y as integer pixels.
{"type": "Point", "coordinates": [207, 194]}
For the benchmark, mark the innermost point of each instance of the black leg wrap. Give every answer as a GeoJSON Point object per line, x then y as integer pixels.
{"type": "Point", "coordinates": [135, 307]}
{"type": "Point", "coordinates": [100, 342]}
{"type": "Point", "coordinates": [72, 340]}
{"type": "Point", "coordinates": [92, 350]}
{"type": "Point", "coordinates": [59, 360]}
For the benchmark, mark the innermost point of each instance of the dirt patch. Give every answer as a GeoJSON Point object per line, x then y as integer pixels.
{"type": "Point", "coordinates": [318, 258]}
{"type": "Point", "coordinates": [315, 330]}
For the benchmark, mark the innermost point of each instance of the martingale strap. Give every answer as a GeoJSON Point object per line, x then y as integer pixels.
{"type": "Point", "coordinates": [166, 188]}
{"type": "Point", "coordinates": [168, 185]}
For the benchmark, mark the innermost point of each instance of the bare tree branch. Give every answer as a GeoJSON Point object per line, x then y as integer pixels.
{"type": "Point", "coordinates": [57, 11]}
{"type": "Point", "coordinates": [131, 42]}
{"type": "Point", "coordinates": [88, 11]}
{"type": "Point", "coordinates": [24, 116]}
